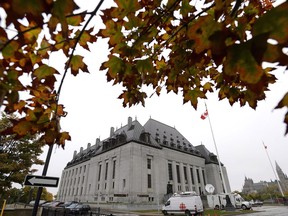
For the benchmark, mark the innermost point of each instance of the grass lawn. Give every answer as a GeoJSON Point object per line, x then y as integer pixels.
{"type": "Point", "coordinates": [210, 212]}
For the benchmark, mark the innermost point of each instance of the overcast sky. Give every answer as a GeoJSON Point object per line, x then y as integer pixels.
{"type": "Point", "coordinates": [93, 108]}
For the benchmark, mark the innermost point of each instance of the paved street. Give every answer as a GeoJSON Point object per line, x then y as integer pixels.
{"type": "Point", "coordinates": [262, 211]}
{"type": "Point", "coordinates": [270, 211]}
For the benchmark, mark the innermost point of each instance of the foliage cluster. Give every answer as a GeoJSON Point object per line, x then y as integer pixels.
{"type": "Point", "coordinates": [183, 46]}
{"type": "Point", "coordinates": [17, 156]}
{"type": "Point", "coordinates": [24, 195]}
{"type": "Point", "coordinates": [268, 193]}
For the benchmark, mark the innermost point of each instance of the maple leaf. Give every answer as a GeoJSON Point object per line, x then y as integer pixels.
{"type": "Point", "coordinates": [45, 71]}
{"type": "Point", "coordinates": [76, 64]}
{"type": "Point", "coordinates": [240, 60]}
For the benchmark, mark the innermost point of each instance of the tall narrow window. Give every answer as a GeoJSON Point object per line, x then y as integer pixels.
{"type": "Point", "coordinates": [192, 175]}
{"type": "Point", "coordinates": [99, 173]}
{"type": "Point", "coordinates": [178, 173]}
{"type": "Point", "coordinates": [203, 174]}
{"type": "Point", "coordinates": [198, 175]}
{"type": "Point", "coordinates": [149, 163]}
{"type": "Point", "coordinates": [114, 169]}
{"type": "Point", "coordinates": [106, 171]}
{"type": "Point", "coordinates": [185, 173]}
{"type": "Point", "coordinates": [149, 181]}
{"type": "Point", "coordinates": [170, 171]}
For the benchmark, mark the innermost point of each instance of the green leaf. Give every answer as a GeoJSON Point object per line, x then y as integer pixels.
{"type": "Point", "coordinates": [75, 20]}
{"type": "Point", "coordinates": [192, 96]}
{"type": "Point", "coordinates": [145, 66]}
{"type": "Point", "coordinates": [115, 65]}
{"type": "Point", "coordinates": [128, 6]}
{"type": "Point", "coordinates": [10, 50]}
{"type": "Point", "coordinates": [274, 22]}
{"type": "Point", "coordinates": [45, 71]}
{"type": "Point", "coordinates": [241, 61]}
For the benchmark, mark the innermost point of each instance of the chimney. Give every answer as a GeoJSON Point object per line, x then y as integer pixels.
{"type": "Point", "coordinates": [88, 146]}
{"type": "Point", "coordinates": [111, 131]}
{"type": "Point", "coordinates": [74, 155]}
{"type": "Point", "coordinates": [129, 122]}
{"type": "Point", "coordinates": [81, 150]}
{"type": "Point", "coordinates": [97, 142]}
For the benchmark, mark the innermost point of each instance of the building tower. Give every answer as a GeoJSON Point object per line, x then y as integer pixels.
{"type": "Point", "coordinates": [282, 178]}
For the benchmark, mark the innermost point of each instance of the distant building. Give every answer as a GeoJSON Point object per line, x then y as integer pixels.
{"type": "Point", "coordinates": [140, 164]}
{"type": "Point", "coordinates": [251, 187]}
{"type": "Point", "coordinates": [282, 178]}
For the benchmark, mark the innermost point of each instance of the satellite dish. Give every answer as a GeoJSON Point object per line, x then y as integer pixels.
{"type": "Point", "coordinates": [209, 188]}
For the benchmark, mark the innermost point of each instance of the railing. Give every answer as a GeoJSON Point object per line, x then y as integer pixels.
{"type": "Point", "coordinates": [67, 212]}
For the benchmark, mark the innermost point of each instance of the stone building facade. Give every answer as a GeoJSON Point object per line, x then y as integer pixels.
{"type": "Point", "coordinates": [140, 164]}
{"type": "Point", "coordinates": [255, 187]}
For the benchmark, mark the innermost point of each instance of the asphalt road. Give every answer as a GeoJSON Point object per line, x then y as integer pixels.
{"type": "Point", "coordinates": [261, 211]}
{"type": "Point", "coordinates": [270, 211]}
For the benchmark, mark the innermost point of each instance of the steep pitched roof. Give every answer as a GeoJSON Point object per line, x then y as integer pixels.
{"type": "Point", "coordinates": [169, 137]}
{"type": "Point", "coordinates": [209, 156]}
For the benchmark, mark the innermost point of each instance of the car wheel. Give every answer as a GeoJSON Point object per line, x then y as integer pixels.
{"type": "Point", "coordinates": [187, 213]}
{"type": "Point", "coordinates": [216, 207]}
{"type": "Point", "coordinates": [244, 207]}
{"type": "Point", "coordinates": [165, 212]}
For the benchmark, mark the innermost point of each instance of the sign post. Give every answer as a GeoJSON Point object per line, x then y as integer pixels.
{"type": "Point", "coordinates": [41, 181]}
{"type": "Point", "coordinates": [39, 192]}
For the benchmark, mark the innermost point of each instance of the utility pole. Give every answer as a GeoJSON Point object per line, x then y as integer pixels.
{"type": "Point", "coordinates": [40, 189]}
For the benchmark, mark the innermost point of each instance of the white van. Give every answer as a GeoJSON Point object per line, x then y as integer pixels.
{"type": "Point", "coordinates": [218, 201]}
{"type": "Point", "coordinates": [188, 203]}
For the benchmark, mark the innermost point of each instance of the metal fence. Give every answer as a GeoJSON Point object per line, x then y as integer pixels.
{"type": "Point", "coordinates": [67, 212]}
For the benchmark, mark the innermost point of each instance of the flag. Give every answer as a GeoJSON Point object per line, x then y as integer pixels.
{"type": "Point", "coordinates": [204, 115]}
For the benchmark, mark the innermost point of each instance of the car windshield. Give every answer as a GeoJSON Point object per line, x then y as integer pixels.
{"type": "Point", "coordinates": [72, 205]}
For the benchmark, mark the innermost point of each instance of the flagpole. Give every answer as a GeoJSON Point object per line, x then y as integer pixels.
{"type": "Point", "coordinates": [218, 157]}
{"type": "Point", "coordinates": [278, 182]}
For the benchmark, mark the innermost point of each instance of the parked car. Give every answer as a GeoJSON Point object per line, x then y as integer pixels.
{"type": "Point", "coordinates": [79, 208]}
{"type": "Point", "coordinates": [67, 203]}
{"type": "Point", "coordinates": [52, 204]}
{"type": "Point", "coordinates": [256, 203]}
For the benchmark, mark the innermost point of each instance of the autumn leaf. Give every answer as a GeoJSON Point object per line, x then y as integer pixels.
{"type": "Point", "coordinates": [45, 71]}
{"type": "Point", "coordinates": [240, 60]}
{"type": "Point", "coordinates": [274, 22]}
{"type": "Point", "coordinates": [201, 30]}
{"type": "Point", "coordinates": [283, 102]}
{"type": "Point", "coordinates": [76, 64]}
{"type": "Point", "coordinates": [22, 128]}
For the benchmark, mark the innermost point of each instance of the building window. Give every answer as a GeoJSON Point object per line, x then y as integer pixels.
{"type": "Point", "coordinates": [106, 171]}
{"type": "Point", "coordinates": [80, 170]}
{"type": "Point", "coordinates": [178, 173]}
{"type": "Point", "coordinates": [185, 173]}
{"type": "Point", "coordinates": [203, 174]}
{"type": "Point", "coordinates": [99, 173]}
{"type": "Point", "coordinates": [114, 169]}
{"type": "Point", "coordinates": [113, 185]}
{"type": "Point", "coordinates": [149, 162]}
{"type": "Point", "coordinates": [198, 175]}
{"type": "Point", "coordinates": [84, 169]}
{"type": "Point", "coordinates": [170, 171]}
{"type": "Point", "coordinates": [192, 176]}
{"type": "Point", "coordinates": [149, 181]}
{"type": "Point", "coordinates": [124, 183]}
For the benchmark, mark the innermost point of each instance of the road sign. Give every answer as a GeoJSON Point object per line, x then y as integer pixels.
{"type": "Point", "coordinates": [41, 181]}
